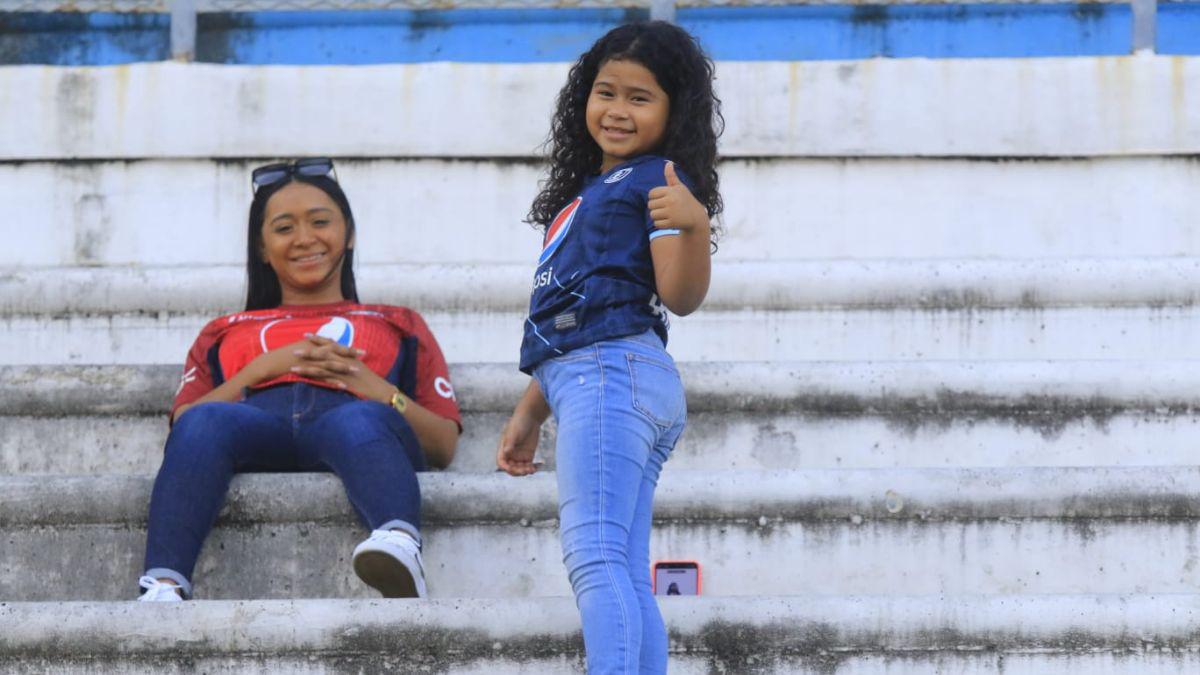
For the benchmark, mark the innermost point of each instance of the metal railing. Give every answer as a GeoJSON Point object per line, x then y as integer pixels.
{"type": "Point", "coordinates": [183, 12]}
{"type": "Point", "coordinates": [1145, 25]}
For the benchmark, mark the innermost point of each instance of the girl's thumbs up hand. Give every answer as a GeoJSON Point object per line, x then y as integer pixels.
{"type": "Point", "coordinates": [674, 206]}
{"type": "Point", "coordinates": [672, 177]}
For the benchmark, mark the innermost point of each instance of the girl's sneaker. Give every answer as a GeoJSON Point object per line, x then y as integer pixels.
{"type": "Point", "coordinates": [390, 562]}
{"type": "Point", "coordinates": [158, 591]}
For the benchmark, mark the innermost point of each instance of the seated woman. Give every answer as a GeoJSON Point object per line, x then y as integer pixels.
{"type": "Point", "coordinates": [305, 379]}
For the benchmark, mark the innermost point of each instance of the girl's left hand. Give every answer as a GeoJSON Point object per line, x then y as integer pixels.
{"type": "Point", "coordinates": [674, 206]}
{"type": "Point", "coordinates": [331, 362]}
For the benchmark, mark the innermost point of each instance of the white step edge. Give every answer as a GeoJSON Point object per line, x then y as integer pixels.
{"type": "Point", "coordinates": [954, 284]}
{"type": "Point", "coordinates": [897, 626]}
{"type": "Point", "coordinates": [901, 388]}
{"type": "Point", "coordinates": [765, 497]}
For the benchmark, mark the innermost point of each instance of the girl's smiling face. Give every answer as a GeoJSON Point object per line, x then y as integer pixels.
{"type": "Point", "coordinates": [304, 242]}
{"type": "Point", "coordinates": [627, 112]}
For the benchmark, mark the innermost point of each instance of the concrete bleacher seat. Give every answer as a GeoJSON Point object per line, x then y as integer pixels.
{"type": "Point", "coordinates": [98, 420]}
{"type": "Point", "coordinates": [942, 400]}
{"type": "Point", "coordinates": [911, 635]}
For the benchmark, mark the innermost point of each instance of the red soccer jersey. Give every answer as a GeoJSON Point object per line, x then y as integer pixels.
{"type": "Point", "coordinates": [398, 345]}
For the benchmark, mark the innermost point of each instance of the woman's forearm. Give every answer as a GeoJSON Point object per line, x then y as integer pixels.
{"type": "Point", "coordinates": [437, 435]}
{"type": "Point", "coordinates": [231, 390]}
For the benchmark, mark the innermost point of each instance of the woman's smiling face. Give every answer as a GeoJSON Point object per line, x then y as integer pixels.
{"type": "Point", "coordinates": [304, 242]}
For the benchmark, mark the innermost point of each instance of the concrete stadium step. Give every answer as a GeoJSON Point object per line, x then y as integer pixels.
{"type": "Point", "coordinates": [101, 213]}
{"type": "Point", "coordinates": [1139, 105]}
{"type": "Point", "coordinates": [111, 419]}
{"type": "Point", "coordinates": [887, 532]}
{"type": "Point", "coordinates": [778, 311]}
{"type": "Point", "coordinates": [806, 635]}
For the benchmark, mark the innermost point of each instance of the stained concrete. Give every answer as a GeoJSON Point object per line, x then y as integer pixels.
{"type": "Point", "coordinates": [1147, 635]}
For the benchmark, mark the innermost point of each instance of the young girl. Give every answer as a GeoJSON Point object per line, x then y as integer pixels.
{"type": "Point", "coordinates": [626, 209]}
{"type": "Point", "coordinates": [305, 379]}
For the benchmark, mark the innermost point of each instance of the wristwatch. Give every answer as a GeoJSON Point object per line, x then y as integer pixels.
{"type": "Point", "coordinates": [399, 402]}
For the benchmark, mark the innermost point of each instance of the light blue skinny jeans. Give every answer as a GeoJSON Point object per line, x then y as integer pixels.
{"type": "Point", "coordinates": [620, 409]}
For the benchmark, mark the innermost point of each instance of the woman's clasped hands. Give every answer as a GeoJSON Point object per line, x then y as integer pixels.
{"type": "Point", "coordinates": [320, 358]}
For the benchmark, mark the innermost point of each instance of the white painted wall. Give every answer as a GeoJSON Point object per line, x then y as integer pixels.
{"type": "Point", "coordinates": [907, 166]}
{"type": "Point", "coordinates": [877, 107]}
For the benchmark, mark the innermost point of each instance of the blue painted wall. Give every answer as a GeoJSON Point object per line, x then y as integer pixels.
{"type": "Point", "coordinates": [74, 38]}
{"type": "Point", "coordinates": [865, 31]}
{"type": "Point", "coordinates": [729, 33]}
{"type": "Point", "coordinates": [404, 36]}
{"type": "Point", "coordinates": [1179, 27]}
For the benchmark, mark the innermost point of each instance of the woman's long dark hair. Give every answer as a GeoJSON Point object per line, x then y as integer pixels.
{"type": "Point", "coordinates": [683, 71]}
{"type": "Point", "coordinates": [262, 284]}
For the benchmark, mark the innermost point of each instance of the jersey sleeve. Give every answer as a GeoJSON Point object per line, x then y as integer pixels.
{"type": "Point", "coordinates": [653, 175]}
{"type": "Point", "coordinates": [433, 388]}
{"type": "Point", "coordinates": [197, 377]}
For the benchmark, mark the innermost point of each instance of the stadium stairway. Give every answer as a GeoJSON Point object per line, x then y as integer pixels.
{"type": "Point", "coordinates": [942, 398]}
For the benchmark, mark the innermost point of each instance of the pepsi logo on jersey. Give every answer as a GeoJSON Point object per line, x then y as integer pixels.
{"type": "Point", "coordinates": [557, 232]}
{"type": "Point", "coordinates": [542, 279]}
{"type": "Point", "coordinates": [339, 330]}
{"type": "Point", "coordinates": [276, 334]}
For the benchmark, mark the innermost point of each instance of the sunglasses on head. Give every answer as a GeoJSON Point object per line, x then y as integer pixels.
{"type": "Point", "coordinates": [270, 174]}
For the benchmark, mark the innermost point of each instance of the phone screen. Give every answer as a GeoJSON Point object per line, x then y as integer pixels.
{"type": "Point", "coordinates": [676, 578]}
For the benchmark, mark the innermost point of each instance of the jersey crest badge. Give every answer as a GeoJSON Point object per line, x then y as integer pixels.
{"type": "Point", "coordinates": [558, 230]}
{"type": "Point", "coordinates": [619, 175]}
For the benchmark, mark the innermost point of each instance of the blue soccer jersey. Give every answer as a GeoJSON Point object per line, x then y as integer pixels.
{"type": "Point", "coordinates": [595, 279]}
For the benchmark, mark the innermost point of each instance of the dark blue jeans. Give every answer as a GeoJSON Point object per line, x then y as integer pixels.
{"type": "Point", "coordinates": [292, 427]}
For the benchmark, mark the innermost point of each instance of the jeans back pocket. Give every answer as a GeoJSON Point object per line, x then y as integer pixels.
{"type": "Point", "coordinates": [657, 390]}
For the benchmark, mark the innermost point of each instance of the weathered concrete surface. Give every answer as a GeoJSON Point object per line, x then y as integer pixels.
{"type": "Point", "coordinates": [755, 533]}
{"type": "Point", "coordinates": [842, 311]}
{"type": "Point", "coordinates": [888, 284]}
{"type": "Point", "coordinates": [125, 444]}
{"type": "Point", "coordinates": [879, 107]}
{"type": "Point", "coordinates": [193, 212]}
{"type": "Point", "coordinates": [899, 390]}
{"type": "Point", "coordinates": [110, 420]}
{"type": "Point", "coordinates": [1092, 634]}
{"type": "Point", "coordinates": [1146, 332]}
{"type": "Point", "coordinates": [129, 444]}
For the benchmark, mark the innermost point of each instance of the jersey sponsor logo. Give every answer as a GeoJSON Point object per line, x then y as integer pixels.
{"type": "Point", "coordinates": [619, 175]}
{"type": "Point", "coordinates": [557, 232]}
{"type": "Point", "coordinates": [444, 389]}
{"type": "Point", "coordinates": [287, 330]}
{"type": "Point", "coordinates": [339, 330]}
{"type": "Point", "coordinates": [542, 279]}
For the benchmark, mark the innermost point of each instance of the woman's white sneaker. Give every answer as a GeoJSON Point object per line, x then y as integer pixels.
{"type": "Point", "coordinates": [390, 562]}
{"type": "Point", "coordinates": [158, 591]}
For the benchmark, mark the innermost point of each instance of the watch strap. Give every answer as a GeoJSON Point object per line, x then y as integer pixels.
{"type": "Point", "coordinates": [399, 402]}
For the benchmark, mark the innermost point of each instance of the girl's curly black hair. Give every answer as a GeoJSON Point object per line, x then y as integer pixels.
{"type": "Point", "coordinates": [683, 71]}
